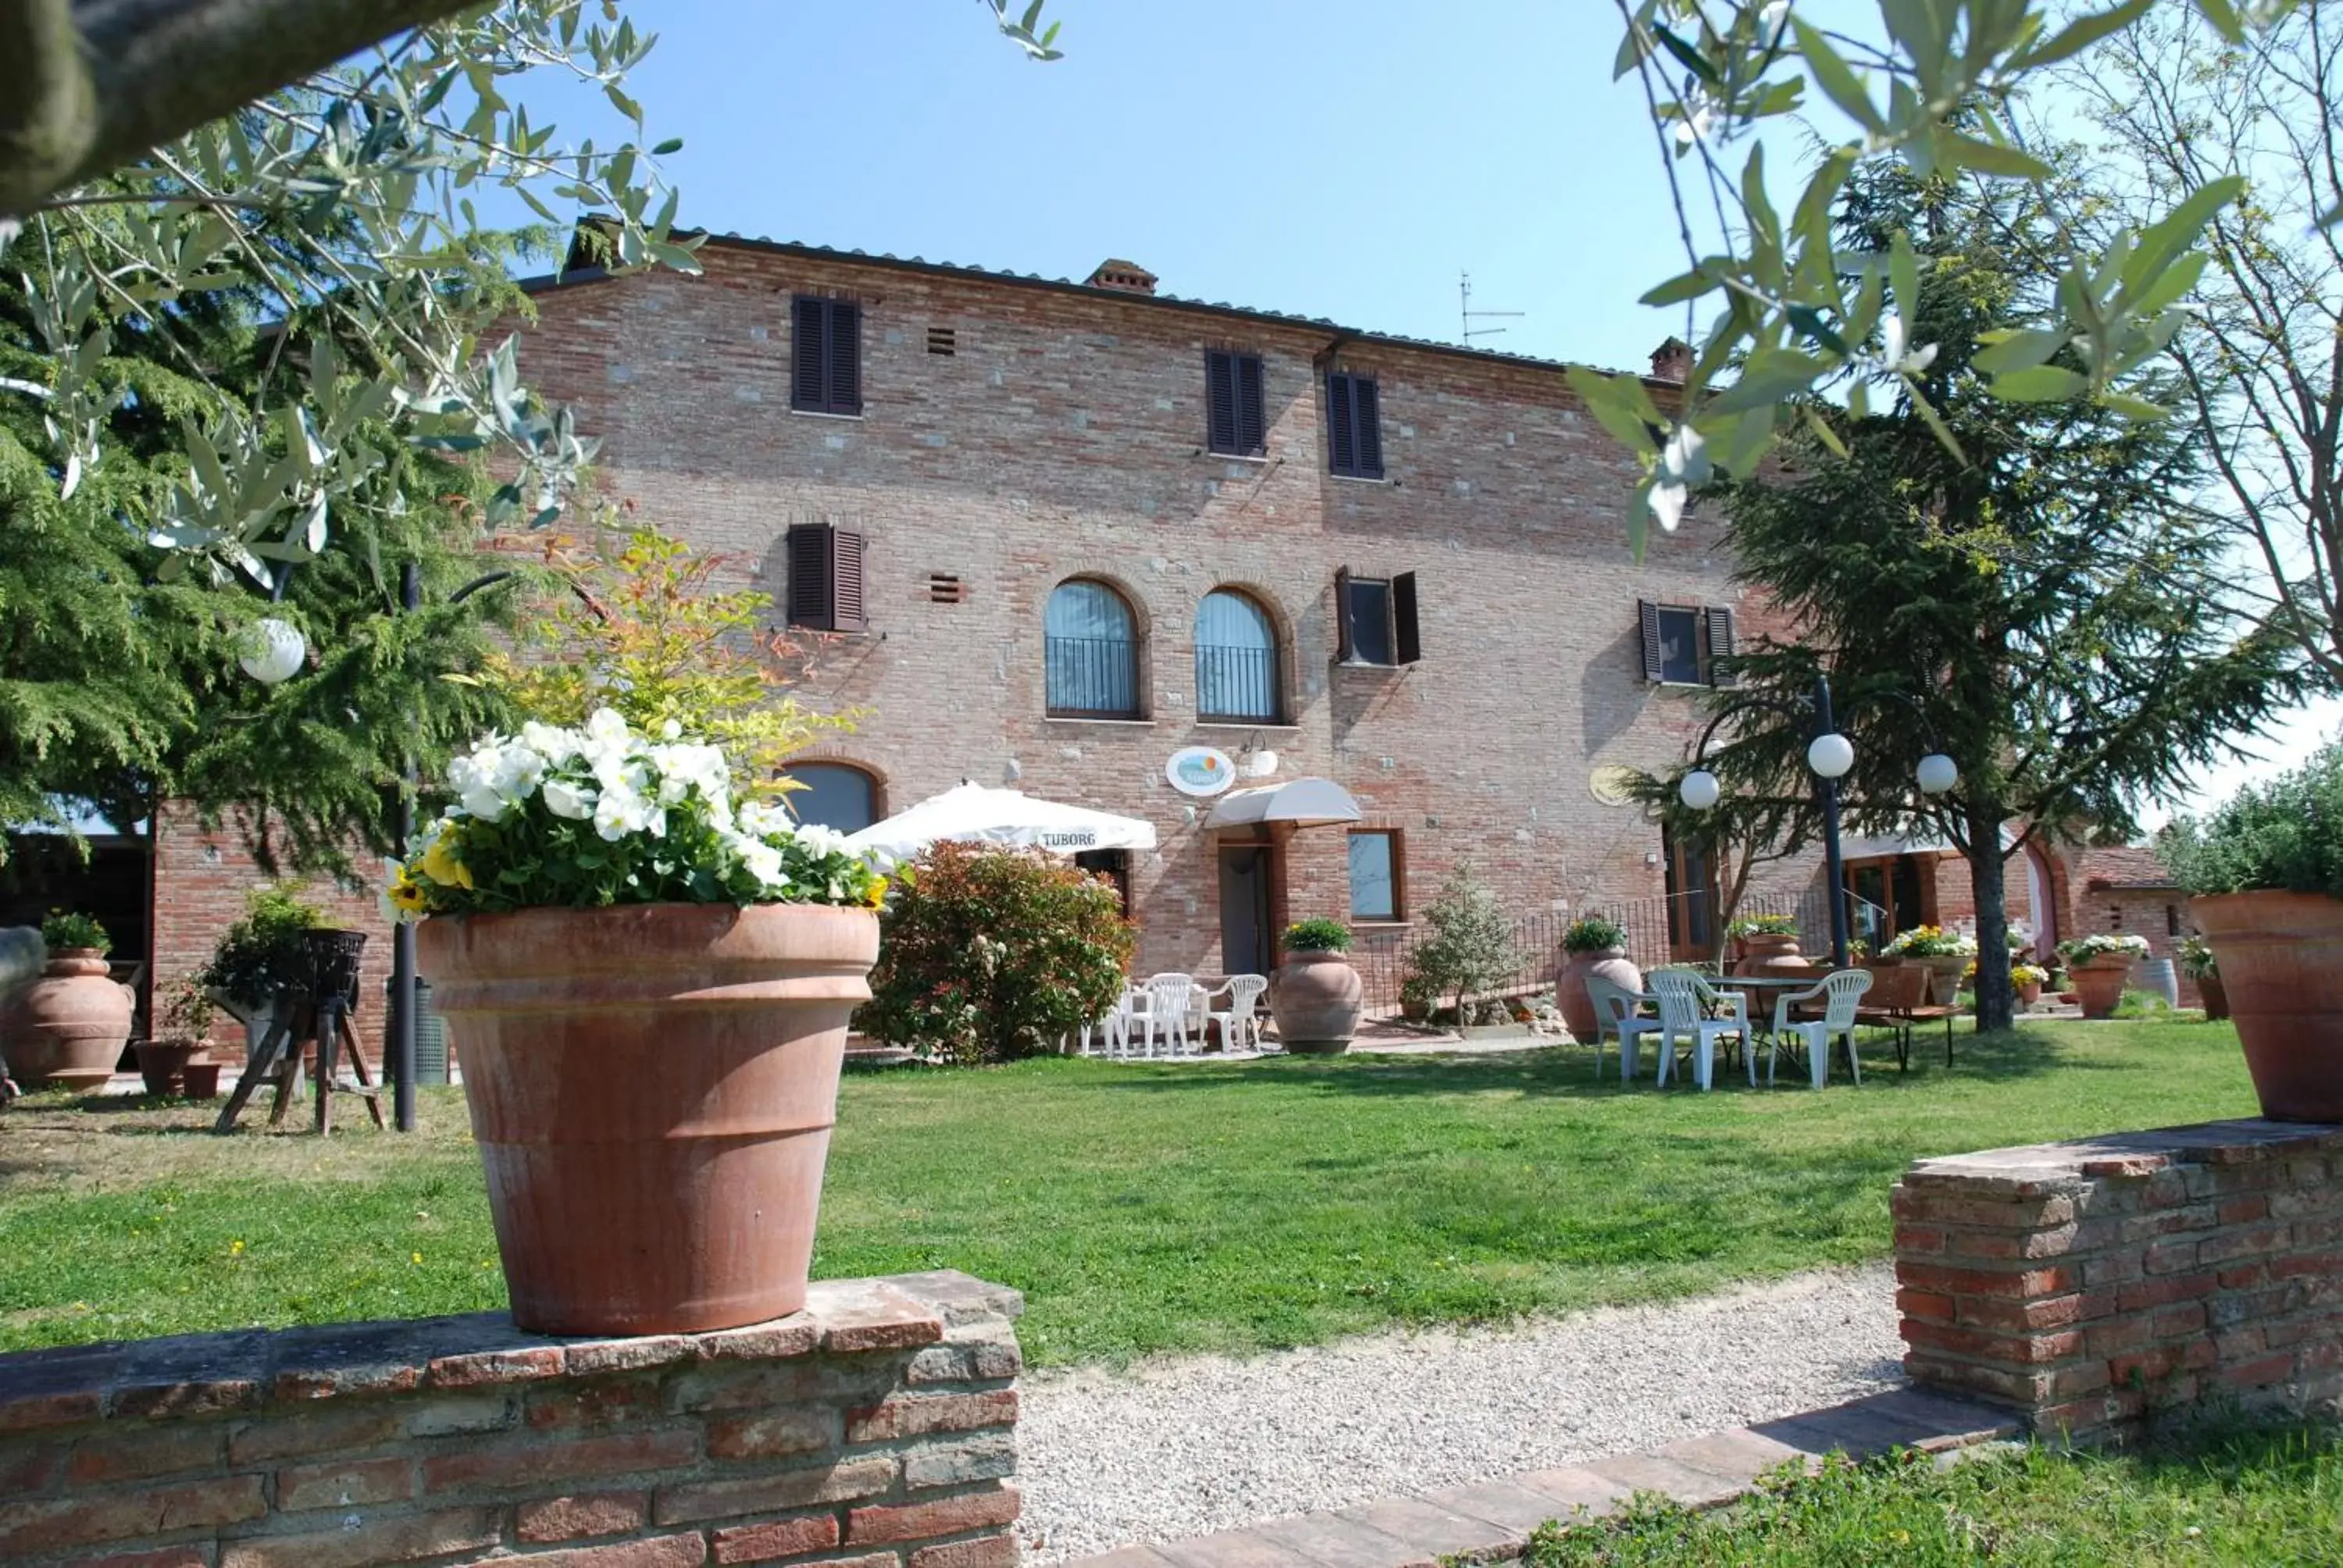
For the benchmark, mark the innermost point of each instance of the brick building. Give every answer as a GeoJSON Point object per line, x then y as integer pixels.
{"type": "Point", "coordinates": [1064, 532]}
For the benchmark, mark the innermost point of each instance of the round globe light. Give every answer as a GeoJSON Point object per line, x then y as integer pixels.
{"type": "Point", "coordinates": [1938, 773]}
{"type": "Point", "coordinates": [272, 651]}
{"type": "Point", "coordinates": [1700, 789]}
{"type": "Point", "coordinates": [1830, 755]}
{"type": "Point", "coordinates": [1261, 765]}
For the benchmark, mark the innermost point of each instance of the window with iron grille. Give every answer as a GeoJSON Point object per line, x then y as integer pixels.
{"type": "Point", "coordinates": [1091, 652]}
{"type": "Point", "coordinates": [1232, 403]}
{"type": "Point", "coordinates": [825, 592]}
{"type": "Point", "coordinates": [1375, 621]}
{"type": "Point", "coordinates": [1687, 645]}
{"type": "Point", "coordinates": [1236, 661]}
{"type": "Point", "coordinates": [826, 355]}
{"type": "Point", "coordinates": [1354, 433]}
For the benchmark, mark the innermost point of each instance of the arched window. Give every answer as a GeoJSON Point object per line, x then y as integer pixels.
{"type": "Point", "coordinates": [835, 795]}
{"type": "Point", "coordinates": [1091, 645]}
{"type": "Point", "coordinates": [1236, 661]}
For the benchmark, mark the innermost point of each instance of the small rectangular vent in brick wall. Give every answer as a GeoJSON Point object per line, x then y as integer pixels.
{"type": "Point", "coordinates": [943, 340]}
{"type": "Point", "coordinates": [943, 588]}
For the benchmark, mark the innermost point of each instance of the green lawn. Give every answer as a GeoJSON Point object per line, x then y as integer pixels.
{"type": "Point", "coordinates": [1140, 1208]}
{"type": "Point", "coordinates": [2253, 1498]}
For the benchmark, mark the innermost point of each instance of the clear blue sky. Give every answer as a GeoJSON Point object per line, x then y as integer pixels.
{"type": "Point", "coordinates": [1343, 158]}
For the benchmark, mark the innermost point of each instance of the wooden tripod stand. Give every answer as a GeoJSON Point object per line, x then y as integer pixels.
{"type": "Point", "coordinates": [276, 1061]}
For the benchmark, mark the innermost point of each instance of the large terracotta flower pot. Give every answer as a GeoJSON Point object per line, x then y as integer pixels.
{"type": "Point", "coordinates": [68, 1028]}
{"type": "Point", "coordinates": [2030, 992]}
{"type": "Point", "coordinates": [1570, 993]}
{"type": "Point", "coordinates": [163, 1064]}
{"type": "Point", "coordinates": [1771, 952]}
{"type": "Point", "coordinates": [2280, 952]}
{"type": "Point", "coordinates": [2100, 984]}
{"type": "Point", "coordinates": [1316, 1000]}
{"type": "Point", "coordinates": [2215, 997]}
{"type": "Point", "coordinates": [652, 1088]}
{"type": "Point", "coordinates": [1944, 971]}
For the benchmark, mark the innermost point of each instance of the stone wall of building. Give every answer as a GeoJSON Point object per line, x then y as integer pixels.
{"type": "Point", "coordinates": [2101, 1283]}
{"type": "Point", "coordinates": [875, 1429]}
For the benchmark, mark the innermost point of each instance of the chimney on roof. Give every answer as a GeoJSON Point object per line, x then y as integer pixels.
{"type": "Point", "coordinates": [1128, 276]}
{"type": "Point", "coordinates": [1671, 361]}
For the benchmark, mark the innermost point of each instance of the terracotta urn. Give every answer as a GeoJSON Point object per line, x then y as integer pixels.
{"type": "Point", "coordinates": [1767, 953]}
{"type": "Point", "coordinates": [652, 1088]}
{"type": "Point", "coordinates": [163, 1064]}
{"type": "Point", "coordinates": [2215, 997]}
{"type": "Point", "coordinates": [68, 1027]}
{"type": "Point", "coordinates": [1570, 997]}
{"type": "Point", "coordinates": [2099, 983]}
{"type": "Point", "coordinates": [2279, 950]}
{"type": "Point", "coordinates": [1316, 999]}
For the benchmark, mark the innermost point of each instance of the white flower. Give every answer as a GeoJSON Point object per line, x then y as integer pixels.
{"type": "Point", "coordinates": [763, 861]}
{"type": "Point", "coordinates": [671, 730]}
{"type": "Point", "coordinates": [817, 839]}
{"type": "Point", "coordinates": [515, 770]}
{"type": "Point", "coordinates": [760, 820]}
{"type": "Point", "coordinates": [551, 742]}
{"type": "Point", "coordinates": [620, 811]}
{"type": "Point", "coordinates": [563, 798]}
{"type": "Point", "coordinates": [606, 729]}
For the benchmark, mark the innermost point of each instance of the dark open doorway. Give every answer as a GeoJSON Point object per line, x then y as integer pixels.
{"type": "Point", "coordinates": [1248, 941]}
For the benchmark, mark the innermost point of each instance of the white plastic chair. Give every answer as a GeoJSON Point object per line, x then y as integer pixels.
{"type": "Point", "coordinates": [1239, 1021]}
{"type": "Point", "coordinates": [1168, 1008]}
{"type": "Point", "coordinates": [1841, 994]}
{"type": "Point", "coordinates": [1114, 1028]}
{"type": "Point", "coordinates": [1685, 998]}
{"type": "Point", "coordinates": [1616, 1015]}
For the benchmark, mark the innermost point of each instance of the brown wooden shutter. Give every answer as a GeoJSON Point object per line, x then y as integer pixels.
{"type": "Point", "coordinates": [1366, 423]}
{"type": "Point", "coordinates": [1342, 614]}
{"type": "Point", "coordinates": [1407, 643]}
{"type": "Point", "coordinates": [1720, 646]}
{"type": "Point", "coordinates": [1341, 445]}
{"type": "Point", "coordinates": [1220, 401]}
{"type": "Point", "coordinates": [845, 358]}
{"type": "Point", "coordinates": [811, 602]}
{"type": "Point", "coordinates": [848, 612]}
{"type": "Point", "coordinates": [1252, 432]}
{"type": "Point", "coordinates": [809, 377]}
{"type": "Point", "coordinates": [1651, 618]}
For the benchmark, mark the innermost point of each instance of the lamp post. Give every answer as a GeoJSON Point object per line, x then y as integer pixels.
{"type": "Point", "coordinates": [1829, 756]}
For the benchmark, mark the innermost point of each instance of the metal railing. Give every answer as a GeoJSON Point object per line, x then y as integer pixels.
{"type": "Point", "coordinates": [1236, 683]}
{"type": "Point", "coordinates": [1092, 676]}
{"type": "Point", "coordinates": [1652, 926]}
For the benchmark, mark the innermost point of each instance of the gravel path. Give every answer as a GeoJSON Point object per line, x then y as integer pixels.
{"type": "Point", "coordinates": [1184, 1447]}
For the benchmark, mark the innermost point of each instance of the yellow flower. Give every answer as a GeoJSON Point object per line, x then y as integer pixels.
{"type": "Point", "coordinates": [405, 895]}
{"type": "Point", "coordinates": [415, 1257]}
{"type": "Point", "coordinates": [877, 897]}
{"type": "Point", "coordinates": [236, 1248]}
{"type": "Point", "coordinates": [439, 863]}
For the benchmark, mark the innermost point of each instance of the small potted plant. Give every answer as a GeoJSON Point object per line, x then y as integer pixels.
{"type": "Point", "coordinates": [2198, 963]}
{"type": "Point", "coordinates": [1765, 943]}
{"type": "Point", "coordinates": [259, 958]}
{"type": "Point", "coordinates": [1945, 954]}
{"type": "Point", "coordinates": [2266, 871]}
{"type": "Point", "coordinates": [1316, 996]}
{"type": "Point", "coordinates": [181, 1035]}
{"type": "Point", "coordinates": [1596, 946]}
{"type": "Point", "coordinates": [70, 1026]}
{"type": "Point", "coordinates": [2100, 964]}
{"type": "Point", "coordinates": [2030, 979]}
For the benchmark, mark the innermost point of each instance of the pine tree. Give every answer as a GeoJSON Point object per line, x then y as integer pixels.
{"type": "Point", "coordinates": [2050, 606]}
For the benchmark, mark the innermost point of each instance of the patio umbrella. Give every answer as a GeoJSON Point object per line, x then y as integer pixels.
{"type": "Point", "coordinates": [971, 813]}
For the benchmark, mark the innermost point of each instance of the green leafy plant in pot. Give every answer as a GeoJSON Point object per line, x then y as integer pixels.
{"type": "Point", "coordinates": [2101, 966]}
{"type": "Point", "coordinates": [2203, 971]}
{"type": "Point", "coordinates": [1316, 996]}
{"type": "Point", "coordinates": [2266, 871]}
{"type": "Point", "coordinates": [650, 981]}
{"type": "Point", "coordinates": [67, 1029]}
{"type": "Point", "coordinates": [1596, 946]}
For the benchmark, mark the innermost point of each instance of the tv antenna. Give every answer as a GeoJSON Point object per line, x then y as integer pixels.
{"type": "Point", "coordinates": [1465, 309]}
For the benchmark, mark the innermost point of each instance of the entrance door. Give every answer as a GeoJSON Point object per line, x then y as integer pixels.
{"type": "Point", "coordinates": [1246, 939]}
{"type": "Point", "coordinates": [1692, 899]}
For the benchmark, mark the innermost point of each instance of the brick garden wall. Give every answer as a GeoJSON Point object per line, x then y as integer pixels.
{"type": "Point", "coordinates": [2101, 1283]}
{"type": "Point", "coordinates": [875, 1429]}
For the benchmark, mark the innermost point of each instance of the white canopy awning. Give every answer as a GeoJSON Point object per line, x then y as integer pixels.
{"type": "Point", "coordinates": [971, 813]}
{"type": "Point", "coordinates": [1917, 840]}
{"type": "Point", "coordinates": [1298, 802]}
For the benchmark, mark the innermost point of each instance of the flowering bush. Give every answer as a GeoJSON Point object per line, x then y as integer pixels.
{"type": "Point", "coordinates": [1930, 942]}
{"type": "Point", "coordinates": [2029, 974]}
{"type": "Point", "coordinates": [2197, 960]}
{"type": "Point", "coordinates": [1593, 934]}
{"type": "Point", "coordinates": [1763, 926]}
{"type": "Point", "coordinates": [988, 954]}
{"type": "Point", "coordinates": [2102, 944]}
{"type": "Point", "coordinates": [581, 818]}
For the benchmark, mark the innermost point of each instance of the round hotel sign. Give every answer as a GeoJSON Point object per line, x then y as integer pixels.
{"type": "Point", "coordinates": [1200, 771]}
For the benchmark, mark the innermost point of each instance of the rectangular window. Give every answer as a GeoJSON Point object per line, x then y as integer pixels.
{"type": "Point", "coordinates": [1232, 403]}
{"type": "Point", "coordinates": [1374, 875]}
{"type": "Point", "coordinates": [825, 592]}
{"type": "Point", "coordinates": [1685, 644]}
{"type": "Point", "coordinates": [1354, 433]}
{"type": "Point", "coordinates": [826, 355]}
{"type": "Point", "coordinates": [2171, 920]}
{"type": "Point", "coordinates": [1375, 619]}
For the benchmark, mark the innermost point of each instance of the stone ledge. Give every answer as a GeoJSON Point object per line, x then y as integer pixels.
{"type": "Point", "coordinates": [252, 1369]}
{"type": "Point", "coordinates": [1492, 1520]}
{"type": "Point", "coordinates": [2043, 1170]}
